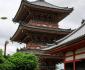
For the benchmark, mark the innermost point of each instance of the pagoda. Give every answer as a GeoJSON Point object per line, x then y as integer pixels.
{"type": "Point", "coordinates": [38, 28]}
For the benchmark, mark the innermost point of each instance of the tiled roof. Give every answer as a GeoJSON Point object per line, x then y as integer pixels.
{"type": "Point", "coordinates": [40, 4]}
{"type": "Point", "coordinates": [46, 4]}
{"type": "Point", "coordinates": [74, 35]}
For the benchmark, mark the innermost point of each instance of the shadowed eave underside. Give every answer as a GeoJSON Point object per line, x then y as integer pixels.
{"type": "Point", "coordinates": [22, 30]}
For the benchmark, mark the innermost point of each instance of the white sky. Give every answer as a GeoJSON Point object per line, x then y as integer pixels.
{"type": "Point", "coordinates": [8, 8]}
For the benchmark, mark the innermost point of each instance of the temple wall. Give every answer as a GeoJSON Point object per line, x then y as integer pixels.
{"type": "Point", "coordinates": [79, 54]}
{"type": "Point", "coordinates": [44, 24]}
{"type": "Point", "coordinates": [80, 50]}
{"type": "Point", "coordinates": [69, 58]}
{"type": "Point", "coordinates": [69, 53]}
{"type": "Point", "coordinates": [33, 45]}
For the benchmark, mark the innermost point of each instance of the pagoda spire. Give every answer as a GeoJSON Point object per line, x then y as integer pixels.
{"type": "Point", "coordinates": [41, 0]}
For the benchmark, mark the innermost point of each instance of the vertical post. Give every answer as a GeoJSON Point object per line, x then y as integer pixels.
{"type": "Point", "coordinates": [74, 66]}
{"type": "Point", "coordinates": [64, 66]}
{"type": "Point", "coordinates": [6, 42]}
{"type": "Point", "coordinates": [64, 62]}
{"type": "Point", "coordinates": [5, 50]}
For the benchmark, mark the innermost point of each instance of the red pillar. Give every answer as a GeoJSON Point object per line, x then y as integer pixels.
{"type": "Point", "coordinates": [74, 66]}
{"type": "Point", "coordinates": [64, 62]}
{"type": "Point", "coordinates": [64, 66]}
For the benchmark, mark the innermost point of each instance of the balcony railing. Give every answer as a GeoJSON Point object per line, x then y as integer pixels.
{"type": "Point", "coordinates": [47, 28]}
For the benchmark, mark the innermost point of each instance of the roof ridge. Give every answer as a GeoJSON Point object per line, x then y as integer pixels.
{"type": "Point", "coordinates": [55, 5]}
{"type": "Point", "coordinates": [49, 4]}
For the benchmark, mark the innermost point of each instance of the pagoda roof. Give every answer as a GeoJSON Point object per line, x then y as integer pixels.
{"type": "Point", "coordinates": [39, 4]}
{"type": "Point", "coordinates": [19, 34]}
{"type": "Point", "coordinates": [46, 4]}
{"type": "Point", "coordinates": [77, 34]}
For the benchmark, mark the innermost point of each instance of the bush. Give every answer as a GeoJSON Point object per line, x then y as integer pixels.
{"type": "Point", "coordinates": [7, 66]}
{"type": "Point", "coordinates": [18, 61]}
{"type": "Point", "coordinates": [2, 59]}
{"type": "Point", "coordinates": [24, 61]}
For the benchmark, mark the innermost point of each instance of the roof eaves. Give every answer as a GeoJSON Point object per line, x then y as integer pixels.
{"type": "Point", "coordinates": [66, 9]}
{"type": "Point", "coordinates": [27, 3]}
{"type": "Point", "coordinates": [12, 38]}
{"type": "Point", "coordinates": [65, 44]}
{"type": "Point", "coordinates": [52, 6]}
{"type": "Point", "coordinates": [54, 30]}
{"type": "Point", "coordinates": [58, 42]}
{"type": "Point", "coordinates": [20, 7]}
{"type": "Point", "coordinates": [70, 34]}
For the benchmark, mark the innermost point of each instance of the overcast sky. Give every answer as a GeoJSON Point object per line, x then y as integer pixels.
{"type": "Point", "coordinates": [8, 8]}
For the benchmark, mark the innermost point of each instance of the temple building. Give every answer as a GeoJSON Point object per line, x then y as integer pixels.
{"type": "Point", "coordinates": [72, 47]}
{"type": "Point", "coordinates": [39, 29]}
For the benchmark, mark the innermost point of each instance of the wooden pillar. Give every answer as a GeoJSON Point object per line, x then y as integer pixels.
{"type": "Point", "coordinates": [64, 62]}
{"type": "Point", "coordinates": [64, 66]}
{"type": "Point", "coordinates": [74, 66]}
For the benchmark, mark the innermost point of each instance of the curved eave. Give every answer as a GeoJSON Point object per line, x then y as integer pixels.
{"type": "Point", "coordinates": [73, 36]}
{"type": "Point", "coordinates": [45, 30]}
{"type": "Point", "coordinates": [15, 36]}
{"type": "Point", "coordinates": [69, 46]}
{"type": "Point", "coordinates": [19, 34]}
{"type": "Point", "coordinates": [62, 10]}
{"type": "Point", "coordinates": [19, 14]}
{"type": "Point", "coordinates": [27, 4]}
{"type": "Point", "coordinates": [55, 8]}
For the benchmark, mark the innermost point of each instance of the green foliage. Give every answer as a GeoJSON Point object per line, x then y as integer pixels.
{"type": "Point", "coordinates": [1, 52]}
{"type": "Point", "coordinates": [7, 66]}
{"type": "Point", "coordinates": [18, 61]}
{"type": "Point", "coordinates": [2, 59]}
{"type": "Point", "coordinates": [24, 61]}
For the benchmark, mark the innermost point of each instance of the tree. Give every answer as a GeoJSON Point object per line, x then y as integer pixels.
{"type": "Point", "coordinates": [2, 59]}
{"type": "Point", "coordinates": [24, 61]}
{"type": "Point", "coordinates": [7, 65]}
{"type": "Point", "coordinates": [18, 61]}
{"type": "Point", "coordinates": [4, 63]}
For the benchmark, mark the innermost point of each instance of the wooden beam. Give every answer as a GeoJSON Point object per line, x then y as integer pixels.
{"type": "Point", "coordinates": [26, 38]}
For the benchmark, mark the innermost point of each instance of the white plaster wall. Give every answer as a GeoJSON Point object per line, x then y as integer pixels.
{"type": "Point", "coordinates": [81, 56]}
{"type": "Point", "coordinates": [69, 53]}
{"type": "Point", "coordinates": [69, 58]}
{"type": "Point", "coordinates": [80, 50]}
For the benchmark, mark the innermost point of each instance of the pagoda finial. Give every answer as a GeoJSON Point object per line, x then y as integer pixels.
{"type": "Point", "coordinates": [41, 0]}
{"type": "Point", "coordinates": [83, 21]}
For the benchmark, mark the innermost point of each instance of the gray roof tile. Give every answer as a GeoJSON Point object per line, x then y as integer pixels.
{"type": "Point", "coordinates": [46, 4]}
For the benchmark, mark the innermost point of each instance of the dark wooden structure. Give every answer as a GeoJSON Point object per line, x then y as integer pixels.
{"type": "Point", "coordinates": [73, 48]}
{"type": "Point", "coordinates": [38, 28]}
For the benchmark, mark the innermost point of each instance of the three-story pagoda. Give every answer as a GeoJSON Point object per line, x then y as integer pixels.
{"type": "Point", "coordinates": [38, 28]}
